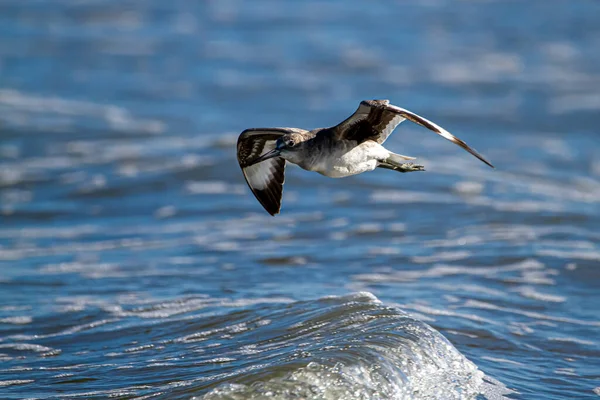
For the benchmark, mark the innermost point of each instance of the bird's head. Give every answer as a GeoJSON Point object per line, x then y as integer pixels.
{"type": "Point", "coordinates": [290, 146]}
{"type": "Point", "coordinates": [289, 142]}
{"type": "Point", "coordinates": [287, 146]}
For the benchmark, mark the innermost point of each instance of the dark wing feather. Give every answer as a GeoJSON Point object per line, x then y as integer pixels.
{"type": "Point", "coordinates": [266, 178]}
{"type": "Point", "coordinates": [437, 129]}
{"type": "Point", "coordinates": [371, 121]}
{"type": "Point", "coordinates": [376, 119]}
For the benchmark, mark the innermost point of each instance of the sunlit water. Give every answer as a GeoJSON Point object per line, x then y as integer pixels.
{"type": "Point", "coordinates": [135, 262]}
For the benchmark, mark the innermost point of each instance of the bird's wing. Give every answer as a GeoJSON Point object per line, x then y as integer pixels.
{"type": "Point", "coordinates": [376, 119]}
{"type": "Point", "coordinates": [266, 178]}
{"type": "Point", "coordinates": [373, 120]}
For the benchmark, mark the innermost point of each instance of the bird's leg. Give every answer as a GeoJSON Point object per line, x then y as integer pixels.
{"type": "Point", "coordinates": [406, 167]}
{"type": "Point", "coordinates": [395, 162]}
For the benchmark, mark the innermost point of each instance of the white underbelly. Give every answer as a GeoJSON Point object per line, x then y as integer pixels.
{"type": "Point", "coordinates": [350, 160]}
{"type": "Point", "coordinates": [341, 170]}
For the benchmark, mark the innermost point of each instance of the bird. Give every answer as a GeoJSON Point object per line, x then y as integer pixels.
{"type": "Point", "coordinates": [352, 147]}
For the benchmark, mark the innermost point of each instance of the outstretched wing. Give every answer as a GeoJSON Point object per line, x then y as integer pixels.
{"type": "Point", "coordinates": [373, 120]}
{"type": "Point", "coordinates": [376, 119]}
{"type": "Point", "coordinates": [266, 178]}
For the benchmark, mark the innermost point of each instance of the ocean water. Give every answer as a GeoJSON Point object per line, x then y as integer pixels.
{"type": "Point", "coordinates": [135, 263]}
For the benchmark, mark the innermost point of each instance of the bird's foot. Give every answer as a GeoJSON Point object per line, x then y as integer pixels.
{"type": "Point", "coordinates": [401, 167]}
{"type": "Point", "coordinates": [409, 167]}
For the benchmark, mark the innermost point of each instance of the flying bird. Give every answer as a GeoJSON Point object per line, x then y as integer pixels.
{"type": "Point", "coordinates": [352, 147]}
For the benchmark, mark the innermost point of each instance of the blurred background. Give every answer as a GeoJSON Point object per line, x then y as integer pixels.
{"type": "Point", "coordinates": [135, 262]}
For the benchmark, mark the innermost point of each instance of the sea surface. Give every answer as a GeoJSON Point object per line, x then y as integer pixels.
{"type": "Point", "coordinates": [136, 264]}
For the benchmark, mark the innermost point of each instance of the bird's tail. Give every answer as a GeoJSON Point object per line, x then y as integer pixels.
{"type": "Point", "coordinates": [398, 158]}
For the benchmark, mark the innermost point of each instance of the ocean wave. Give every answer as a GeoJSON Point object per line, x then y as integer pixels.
{"type": "Point", "coordinates": [353, 347]}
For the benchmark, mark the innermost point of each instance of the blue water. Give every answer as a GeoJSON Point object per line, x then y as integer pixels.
{"type": "Point", "coordinates": [135, 262]}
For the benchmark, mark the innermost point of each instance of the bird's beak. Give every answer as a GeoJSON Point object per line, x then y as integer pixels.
{"type": "Point", "coordinates": [266, 156]}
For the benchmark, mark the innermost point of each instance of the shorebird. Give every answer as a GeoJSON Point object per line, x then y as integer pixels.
{"type": "Point", "coordinates": [352, 147]}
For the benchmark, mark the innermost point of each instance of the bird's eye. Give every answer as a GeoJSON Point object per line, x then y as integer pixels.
{"type": "Point", "coordinates": [290, 143]}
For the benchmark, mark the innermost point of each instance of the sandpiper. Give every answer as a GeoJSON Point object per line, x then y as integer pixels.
{"type": "Point", "coordinates": [352, 147]}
